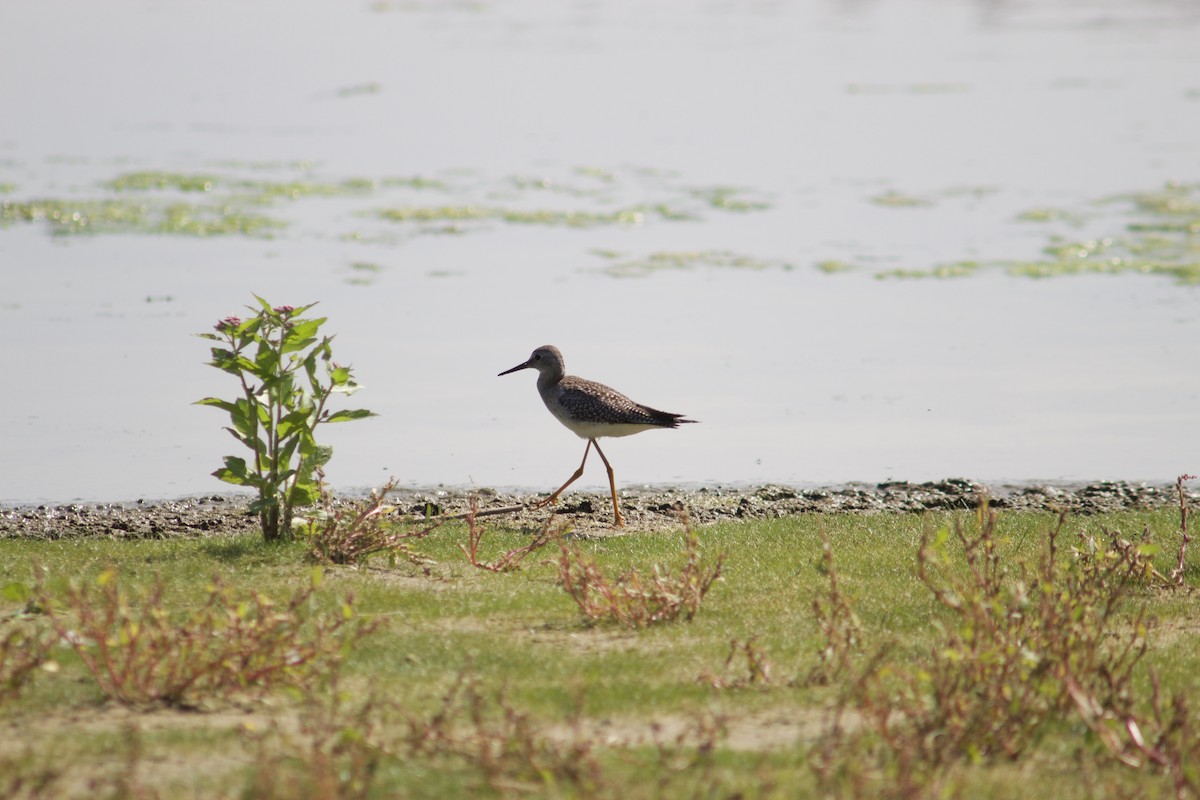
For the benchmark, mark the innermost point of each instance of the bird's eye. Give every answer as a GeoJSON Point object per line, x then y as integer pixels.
{"type": "Point", "coordinates": [537, 357]}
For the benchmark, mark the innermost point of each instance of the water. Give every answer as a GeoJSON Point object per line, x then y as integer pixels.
{"type": "Point", "coordinates": [821, 112]}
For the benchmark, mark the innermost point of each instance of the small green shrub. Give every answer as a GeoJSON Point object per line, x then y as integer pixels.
{"type": "Point", "coordinates": [235, 643]}
{"type": "Point", "coordinates": [1166, 737]}
{"type": "Point", "coordinates": [24, 646]}
{"type": "Point", "coordinates": [1022, 644]}
{"type": "Point", "coordinates": [275, 356]}
{"type": "Point", "coordinates": [841, 629]}
{"type": "Point", "coordinates": [632, 599]}
{"type": "Point", "coordinates": [758, 667]}
{"type": "Point", "coordinates": [335, 753]}
{"type": "Point", "coordinates": [1017, 636]}
{"type": "Point", "coordinates": [353, 532]}
{"type": "Point", "coordinates": [509, 560]}
{"type": "Point", "coordinates": [503, 744]}
{"type": "Point", "coordinates": [346, 750]}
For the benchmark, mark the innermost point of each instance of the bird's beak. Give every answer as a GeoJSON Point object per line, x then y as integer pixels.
{"type": "Point", "coordinates": [514, 369]}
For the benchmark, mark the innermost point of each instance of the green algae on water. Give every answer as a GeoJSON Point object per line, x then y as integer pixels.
{"type": "Point", "coordinates": [831, 266]}
{"type": "Point", "coordinates": [1161, 238]}
{"type": "Point", "coordinates": [634, 215]}
{"type": "Point", "coordinates": [441, 6]}
{"type": "Point", "coordinates": [894, 199]}
{"type": "Point", "coordinates": [70, 218]}
{"type": "Point", "coordinates": [729, 198]}
{"type": "Point", "coordinates": [587, 185]}
{"type": "Point", "coordinates": [148, 180]}
{"type": "Point", "coordinates": [1048, 215]}
{"type": "Point", "coordinates": [1183, 272]}
{"type": "Point", "coordinates": [1173, 200]}
{"type": "Point", "coordinates": [161, 201]}
{"type": "Point", "coordinates": [1154, 233]}
{"type": "Point", "coordinates": [598, 173]}
{"type": "Point", "coordinates": [674, 202]}
{"type": "Point", "coordinates": [263, 192]}
{"type": "Point", "coordinates": [359, 89]}
{"type": "Point", "coordinates": [189, 220]}
{"type": "Point", "coordinates": [665, 199]}
{"type": "Point", "coordinates": [255, 191]}
{"type": "Point", "coordinates": [67, 217]}
{"type": "Point", "coordinates": [906, 88]}
{"type": "Point", "coordinates": [689, 260]}
{"type": "Point", "coordinates": [363, 273]}
{"type": "Point", "coordinates": [605, 253]}
{"type": "Point", "coordinates": [160, 207]}
{"type": "Point", "coordinates": [957, 269]}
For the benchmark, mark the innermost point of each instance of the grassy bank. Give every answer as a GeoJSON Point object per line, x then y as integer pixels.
{"type": "Point", "coordinates": [475, 681]}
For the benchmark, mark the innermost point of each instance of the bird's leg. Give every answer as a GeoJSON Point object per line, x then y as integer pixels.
{"type": "Point", "coordinates": [612, 484]}
{"type": "Point", "coordinates": [573, 478]}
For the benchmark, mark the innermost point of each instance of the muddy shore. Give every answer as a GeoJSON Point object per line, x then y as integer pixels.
{"type": "Point", "coordinates": [644, 509]}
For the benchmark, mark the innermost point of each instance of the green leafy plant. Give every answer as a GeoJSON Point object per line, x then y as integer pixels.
{"type": "Point", "coordinates": [278, 359]}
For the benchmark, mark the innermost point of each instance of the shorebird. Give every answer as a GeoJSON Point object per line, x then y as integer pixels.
{"type": "Point", "coordinates": [590, 410]}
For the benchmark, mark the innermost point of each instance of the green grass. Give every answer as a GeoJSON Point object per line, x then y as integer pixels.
{"type": "Point", "coordinates": [522, 639]}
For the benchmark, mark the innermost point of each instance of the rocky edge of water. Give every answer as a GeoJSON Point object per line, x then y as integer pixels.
{"type": "Point", "coordinates": [643, 509]}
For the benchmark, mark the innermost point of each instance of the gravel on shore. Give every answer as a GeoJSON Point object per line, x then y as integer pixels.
{"type": "Point", "coordinates": [644, 509]}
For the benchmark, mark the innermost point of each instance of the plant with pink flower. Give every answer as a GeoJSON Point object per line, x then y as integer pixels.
{"type": "Point", "coordinates": [287, 376]}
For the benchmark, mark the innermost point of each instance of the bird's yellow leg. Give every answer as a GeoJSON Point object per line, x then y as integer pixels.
{"type": "Point", "coordinates": [612, 485]}
{"type": "Point", "coordinates": [573, 478]}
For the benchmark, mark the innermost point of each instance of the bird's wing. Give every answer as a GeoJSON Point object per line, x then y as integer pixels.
{"type": "Point", "coordinates": [596, 401]}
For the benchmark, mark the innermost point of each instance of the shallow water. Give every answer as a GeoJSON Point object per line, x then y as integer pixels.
{"type": "Point", "coordinates": [651, 188]}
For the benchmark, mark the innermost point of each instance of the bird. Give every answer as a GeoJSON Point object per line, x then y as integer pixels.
{"type": "Point", "coordinates": [590, 410]}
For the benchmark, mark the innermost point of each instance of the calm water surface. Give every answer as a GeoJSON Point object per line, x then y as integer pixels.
{"type": "Point", "coordinates": [878, 136]}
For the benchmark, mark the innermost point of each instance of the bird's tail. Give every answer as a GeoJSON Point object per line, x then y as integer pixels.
{"type": "Point", "coordinates": [666, 419]}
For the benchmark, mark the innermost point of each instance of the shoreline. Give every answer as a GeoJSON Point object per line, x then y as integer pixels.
{"type": "Point", "coordinates": [647, 509]}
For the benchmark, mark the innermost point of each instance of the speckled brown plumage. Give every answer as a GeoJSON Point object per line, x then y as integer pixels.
{"type": "Point", "coordinates": [595, 402]}
{"type": "Point", "coordinates": [591, 410]}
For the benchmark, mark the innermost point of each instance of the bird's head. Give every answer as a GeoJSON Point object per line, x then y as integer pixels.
{"type": "Point", "coordinates": [545, 359]}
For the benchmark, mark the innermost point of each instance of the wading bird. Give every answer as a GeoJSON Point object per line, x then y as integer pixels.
{"type": "Point", "coordinates": [590, 410]}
